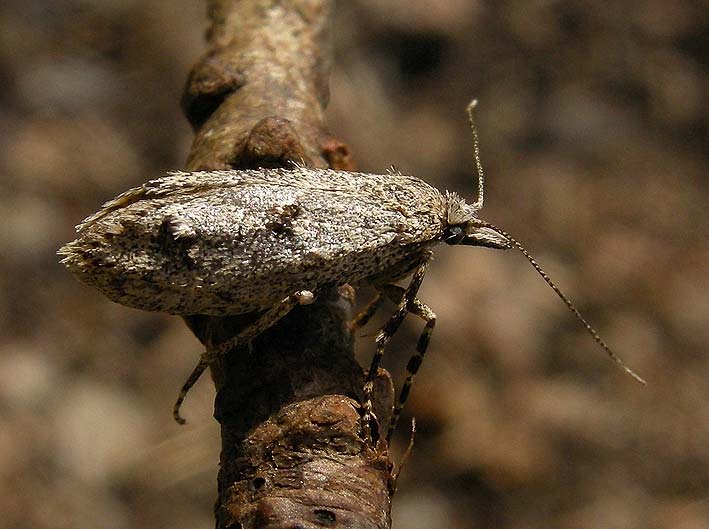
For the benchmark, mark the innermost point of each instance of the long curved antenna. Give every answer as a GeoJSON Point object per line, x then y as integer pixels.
{"type": "Point", "coordinates": [566, 300]}
{"type": "Point", "coordinates": [477, 206]}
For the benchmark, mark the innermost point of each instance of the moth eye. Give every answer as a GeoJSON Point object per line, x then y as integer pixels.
{"type": "Point", "coordinates": [453, 235]}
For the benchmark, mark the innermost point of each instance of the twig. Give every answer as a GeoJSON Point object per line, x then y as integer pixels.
{"type": "Point", "coordinates": [292, 454]}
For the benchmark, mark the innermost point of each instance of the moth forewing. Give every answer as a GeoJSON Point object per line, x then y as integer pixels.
{"type": "Point", "coordinates": [229, 242]}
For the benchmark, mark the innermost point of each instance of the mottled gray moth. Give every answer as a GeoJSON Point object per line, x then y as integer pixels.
{"type": "Point", "coordinates": [224, 243]}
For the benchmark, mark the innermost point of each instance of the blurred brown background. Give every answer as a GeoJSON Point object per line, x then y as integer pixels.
{"type": "Point", "coordinates": [593, 126]}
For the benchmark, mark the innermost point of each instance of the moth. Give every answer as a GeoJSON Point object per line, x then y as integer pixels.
{"type": "Point", "coordinates": [224, 243]}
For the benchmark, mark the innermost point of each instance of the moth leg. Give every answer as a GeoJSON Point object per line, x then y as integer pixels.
{"type": "Point", "coordinates": [423, 311]}
{"type": "Point", "coordinates": [211, 354]}
{"type": "Point", "coordinates": [386, 333]}
{"type": "Point", "coordinates": [361, 319]}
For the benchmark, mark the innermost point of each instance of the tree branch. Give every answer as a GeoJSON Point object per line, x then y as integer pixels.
{"type": "Point", "coordinates": [292, 455]}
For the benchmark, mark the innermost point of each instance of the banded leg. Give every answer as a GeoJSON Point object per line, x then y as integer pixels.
{"type": "Point", "coordinates": [361, 319]}
{"type": "Point", "coordinates": [211, 354]}
{"type": "Point", "coordinates": [424, 312]}
{"type": "Point", "coordinates": [385, 335]}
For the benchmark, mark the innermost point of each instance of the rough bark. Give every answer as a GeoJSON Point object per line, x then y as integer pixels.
{"type": "Point", "coordinates": [292, 452]}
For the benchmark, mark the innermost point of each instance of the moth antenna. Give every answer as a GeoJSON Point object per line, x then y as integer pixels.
{"type": "Point", "coordinates": [477, 206]}
{"type": "Point", "coordinates": [566, 301]}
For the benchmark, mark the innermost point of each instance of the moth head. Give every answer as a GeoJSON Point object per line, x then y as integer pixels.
{"type": "Point", "coordinates": [462, 224]}
{"type": "Point", "coordinates": [464, 227]}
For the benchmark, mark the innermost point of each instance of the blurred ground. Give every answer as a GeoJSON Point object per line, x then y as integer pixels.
{"type": "Point", "coordinates": [593, 124]}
